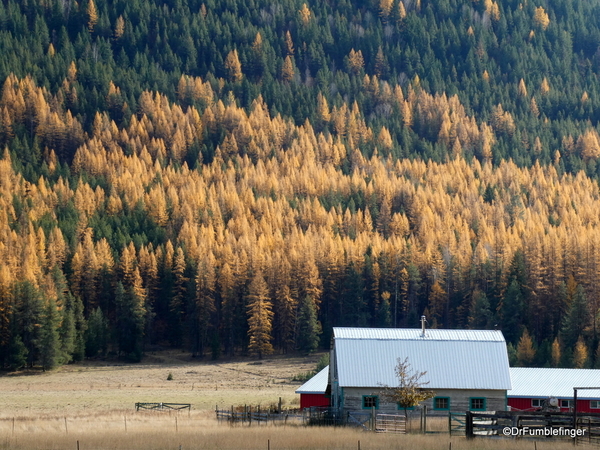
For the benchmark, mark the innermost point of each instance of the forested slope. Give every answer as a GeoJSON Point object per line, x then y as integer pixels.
{"type": "Point", "coordinates": [242, 176]}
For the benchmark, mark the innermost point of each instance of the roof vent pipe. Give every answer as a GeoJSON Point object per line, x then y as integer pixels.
{"type": "Point", "coordinates": [423, 320]}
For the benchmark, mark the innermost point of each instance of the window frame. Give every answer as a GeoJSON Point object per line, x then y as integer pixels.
{"type": "Point", "coordinates": [596, 402]}
{"type": "Point", "coordinates": [569, 403]}
{"type": "Point", "coordinates": [436, 399]}
{"type": "Point", "coordinates": [365, 397]}
{"type": "Point", "coordinates": [539, 401]}
{"type": "Point", "coordinates": [484, 402]}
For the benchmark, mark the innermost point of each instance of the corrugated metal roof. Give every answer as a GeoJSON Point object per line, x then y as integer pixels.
{"type": "Point", "coordinates": [532, 382]}
{"type": "Point", "coordinates": [415, 334]}
{"type": "Point", "coordinates": [317, 384]}
{"type": "Point", "coordinates": [453, 359]}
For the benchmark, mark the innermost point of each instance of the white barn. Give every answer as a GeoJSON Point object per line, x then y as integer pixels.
{"type": "Point", "coordinates": [467, 369]}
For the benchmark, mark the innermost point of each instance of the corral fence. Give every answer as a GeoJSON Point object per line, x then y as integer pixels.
{"type": "Point", "coordinates": [162, 406]}
{"type": "Point", "coordinates": [250, 414]}
{"type": "Point", "coordinates": [536, 424]}
{"type": "Point", "coordinates": [365, 420]}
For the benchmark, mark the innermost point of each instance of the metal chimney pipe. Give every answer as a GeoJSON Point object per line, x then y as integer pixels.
{"type": "Point", "coordinates": [423, 320]}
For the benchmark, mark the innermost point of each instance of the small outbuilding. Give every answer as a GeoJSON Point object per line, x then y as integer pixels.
{"type": "Point", "coordinates": [535, 387]}
{"type": "Point", "coordinates": [313, 392]}
{"type": "Point", "coordinates": [467, 369]}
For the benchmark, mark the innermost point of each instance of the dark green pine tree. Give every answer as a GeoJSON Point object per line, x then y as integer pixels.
{"type": "Point", "coordinates": [28, 318]}
{"type": "Point", "coordinates": [80, 327]}
{"type": "Point", "coordinates": [576, 320]}
{"type": "Point", "coordinates": [96, 334]}
{"type": "Point", "coordinates": [130, 323]}
{"type": "Point", "coordinates": [512, 311]}
{"type": "Point", "coordinates": [49, 340]}
{"type": "Point", "coordinates": [309, 328]}
{"type": "Point", "coordinates": [72, 330]}
{"type": "Point", "coordinates": [354, 310]}
{"type": "Point", "coordinates": [17, 353]}
{"type": "Point", "coordinates": [67, 335]}
{"type": "Point", "coordinates": [480, 317]}
{"type": "Point", "coordinates": [384, 312]}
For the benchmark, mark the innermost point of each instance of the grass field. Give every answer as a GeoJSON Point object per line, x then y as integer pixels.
{"type": "Point", "coordinates": [92, 406]}
{"type": "Point", "coordinates": [77, 389]}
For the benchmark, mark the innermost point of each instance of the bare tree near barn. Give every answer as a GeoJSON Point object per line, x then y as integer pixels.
{"type": "Point", "coordinates": [410, 391]}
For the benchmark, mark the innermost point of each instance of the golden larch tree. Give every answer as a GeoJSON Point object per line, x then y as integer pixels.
{"type": "Point", "coordinates": [233, 66]}
{"type": "Point", "coordinates": [119, 28]}
{"type": "Point", "coordinates": [556, 352]}
{"type": "Point", "coordinates": [385, 8]}
{"type": "Point", "coordinates": [305, 14]}
{"type": "Point", "coordinates": [260, 317]}
{"type": "Point", "coordinates": [92, 14]}
{"type": "Point", "coordinates": [525, 350]}
{"type": "Point", "coordinates": [355, 61]}
{"type": "Point", "coordinates": [289, 43]}
{"type": "Point", "coordinates": [522, 88]}
{"type": "Point", "coordinates": [541, 18]}
{"type": "Point", "coordinates": [545, 86]}
{"type": "Point", "coordinates": [580, 354]}
{"type": "Point", "coordinates": [287, 70]}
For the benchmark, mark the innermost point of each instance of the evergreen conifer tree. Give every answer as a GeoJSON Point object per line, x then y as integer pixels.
{"type": "Point", "coordinates": [309, 328]}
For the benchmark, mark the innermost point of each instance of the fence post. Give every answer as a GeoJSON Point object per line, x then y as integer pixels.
{"type": "Point", "coordinates": [469, 425]}
{"type": "Point", "coordinates": [372, 418]}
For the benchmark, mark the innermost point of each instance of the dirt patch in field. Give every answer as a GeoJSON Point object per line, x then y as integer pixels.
{"type": "Point", "coordinates": [105, 386]}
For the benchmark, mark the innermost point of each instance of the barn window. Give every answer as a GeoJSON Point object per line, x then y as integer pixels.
{"type": "Point", "coordinates": [594, 404]}
{"type": "Point", "coordinates": [566, 403]}
{"type": "Point", "coordinates": [441, 403]}
{"type": "Point", "coordinates": [536, 402]}
{"type": "Point", "coordinates": [477, 404]}
{"type": "Point", "coordinates": [370, 401]}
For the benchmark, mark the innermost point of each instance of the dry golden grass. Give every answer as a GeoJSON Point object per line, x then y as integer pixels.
{"type": "Point", "coordinates": [93, 404]}
{"type": "Point", "coordinates": [76, 389]}
{"type": "Point", "coordinates": [199, 430]}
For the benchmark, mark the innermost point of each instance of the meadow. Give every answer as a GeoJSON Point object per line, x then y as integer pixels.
{"type": "Point", "coordinates": [91, 406]}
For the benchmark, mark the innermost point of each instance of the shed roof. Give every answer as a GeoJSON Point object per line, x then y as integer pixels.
{"type": "Point", "coordinates": [317, 384]}
{"type": "Point", "coordinates": [538, 382]}
{"type": "Point", "coordinates": [453, 359]}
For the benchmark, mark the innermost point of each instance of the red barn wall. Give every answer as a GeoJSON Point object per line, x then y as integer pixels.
{"type": "Point", "coordinates": [524, 404]}
{"type": "Point", "coordinates": [308, 400]}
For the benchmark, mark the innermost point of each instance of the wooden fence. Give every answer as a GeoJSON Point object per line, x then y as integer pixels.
{"type": "Point", "coordinates": [519, 424]}
{"type": "Point", "coordinates": [162, 406]}
{"type": "Point", "coordinates": [251, 414]}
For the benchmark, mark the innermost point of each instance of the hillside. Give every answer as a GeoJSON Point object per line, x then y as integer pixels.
{"type": "Point", "coordinates": [239, 177]}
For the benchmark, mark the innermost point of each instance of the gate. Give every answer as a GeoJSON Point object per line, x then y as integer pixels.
{"type": "Point", "coordinates": [390, 423]}
{"type": "Point", "coordinates": [457, 424]}
{"type": "Point", "coordinates": [359, 419]}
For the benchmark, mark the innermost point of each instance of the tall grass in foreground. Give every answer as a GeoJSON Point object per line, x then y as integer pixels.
{"type": "Point", "coordinates": [199, 430]}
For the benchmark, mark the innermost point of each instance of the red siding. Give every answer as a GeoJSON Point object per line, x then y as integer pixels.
{"type": "Point", "coordinates": [519, 404]}
{"type": "Point", "coordinates": [524, 404]}
{"type": "Point", "coordinates": [308, 400]}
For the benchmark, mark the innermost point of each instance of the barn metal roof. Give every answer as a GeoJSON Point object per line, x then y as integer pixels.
{"type": "Point", "coordinates": [415, 334]}
{"type": "Point", "coordinates": [453, 359]}
{"type": "Point", "coordinates": [317, 384]}
{"type": "Point", "coordinates": [534, 382]}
